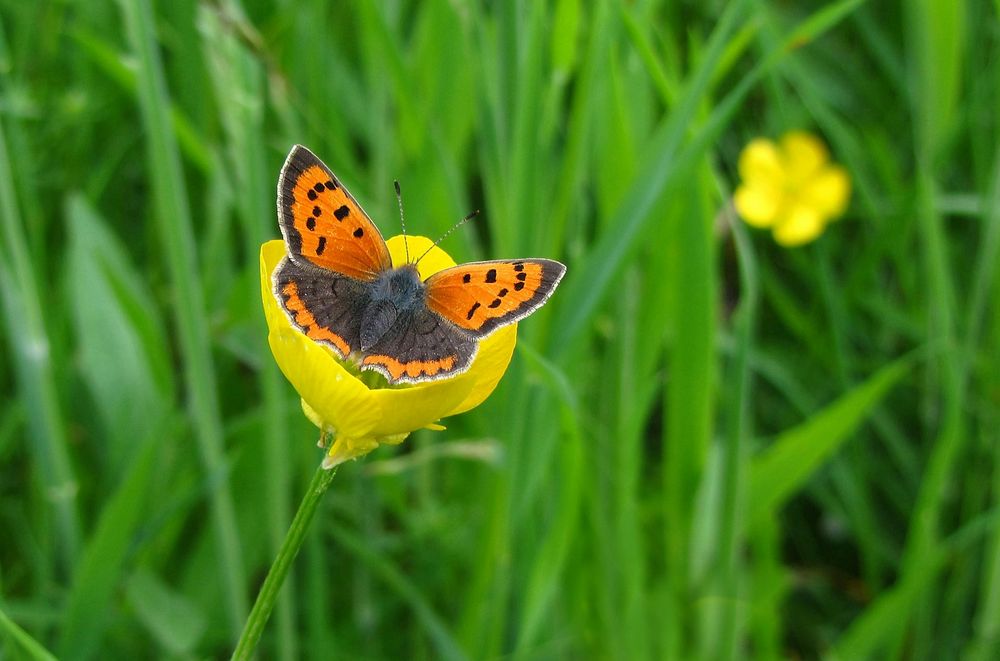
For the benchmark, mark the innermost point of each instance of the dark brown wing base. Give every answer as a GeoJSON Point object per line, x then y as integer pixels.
{"type": "Point", "coordinates": [421, 346]}
{"type": "Point", "coordinates": [328, 307]}
{"type": "Point", "coordinates": [324, 305]}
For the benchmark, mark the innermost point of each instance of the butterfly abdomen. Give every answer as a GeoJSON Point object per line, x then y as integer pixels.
{"type": "Point", "coordinates": [379, 316]}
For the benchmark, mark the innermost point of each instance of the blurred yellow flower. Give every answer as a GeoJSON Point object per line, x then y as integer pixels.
{"type": "Point", "coordinates": [791, 188]}
{"type": "Point", "coordinates": [359, 416]}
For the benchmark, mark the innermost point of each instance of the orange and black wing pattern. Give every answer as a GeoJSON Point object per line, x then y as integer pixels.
{"type": "Point", "coordinates": [479, 297]}
{"type": "Point", "coordinates": [323, 225]}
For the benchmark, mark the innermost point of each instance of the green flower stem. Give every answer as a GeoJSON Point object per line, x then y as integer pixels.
{"type": "Point", "coordinates": [282, 564]}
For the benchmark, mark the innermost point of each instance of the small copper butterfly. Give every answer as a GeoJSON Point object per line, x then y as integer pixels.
{"type": "Point", "coordinates": [338, 285]}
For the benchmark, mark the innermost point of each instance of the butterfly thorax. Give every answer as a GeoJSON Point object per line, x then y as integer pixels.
{"type": "Point", "coordinates": [393, 294]}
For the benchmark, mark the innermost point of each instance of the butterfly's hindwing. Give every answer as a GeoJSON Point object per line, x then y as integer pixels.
{"type": "Point", "coordinates": [326, 306]}
{"type": "Point", "coordinates": [479, 297]}
{"type": "Point", "coordinates": [421, 346]}
{"type": "Point", "coordinates": [323, 224]}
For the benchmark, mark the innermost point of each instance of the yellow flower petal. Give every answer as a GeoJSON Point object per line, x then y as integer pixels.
{"type": "Point", "coordinates": [760, 161]}
{"type": "Point", "coordinates": [803, 154]}
{"type": "Point", "coordinates": [758, 204]}
{"type": "Point", "coordinates": [361, 417]}
{"type": "Point", "coordinates": [494, 355]}
{"type": "Point", "coordinates": [801, 225]}
{"type": "Point", "coordinates": [828, 192]}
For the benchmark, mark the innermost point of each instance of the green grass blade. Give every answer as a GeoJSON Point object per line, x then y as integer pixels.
{"type": "Point", "coordinates": [935, 30]}
{"type": "Point", "coordinates": [238, 75]}
{"type": "Point", "coordinates": [99, 573]}
{"type": "Point", "coordinates": [582, 295]}
{"type": "Point", "coordinates": [176, 230]}
{"type": "Point", "coordinates": [690, 396]}
{"type": "Point", "coordinates": [446, 647]}
{"type": "Point", "coordinates": [123, 351]}
{"type": "Point", "coordinates": [111, 62]}
{"type": "Point", "coordinates": [23, 642]}
{"type": "Point", "coordinates": [547, 573]}
{"type": "Point", "coordinates": [25, 320]}
{"type": "Point", "coordinates": [984, 290]}
{"type": "Point", "coordinates": [885, 619]}
{"type": "Point", "coordinates": [720, 637]}
{"type": "Point", "coordinates": [781, 470]}
{"type": "Point", "coordinates": [172, 620]}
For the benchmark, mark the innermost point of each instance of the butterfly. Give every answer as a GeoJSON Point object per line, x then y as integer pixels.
{"type": "Point", "coordinates": [338, 285]}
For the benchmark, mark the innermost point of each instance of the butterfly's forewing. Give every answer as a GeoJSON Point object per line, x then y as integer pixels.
{"type": "Point", "coordinates": [322, 223]}
{"type": "Point", "coordinates": [482, 296]}
{"type": "Point", "coordinates": [421, 346]}
{"type": "Point", "coordinates": [324, 305]}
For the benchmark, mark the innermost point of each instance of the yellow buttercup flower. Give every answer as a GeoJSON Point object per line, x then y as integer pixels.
{"type": "Point", "coordinates": [791, 187]}
{"type": "Point", "coordinates": [341, 401]}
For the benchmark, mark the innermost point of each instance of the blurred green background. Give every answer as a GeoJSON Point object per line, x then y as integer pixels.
{"type": "Point", "coordinates": [707, 446]}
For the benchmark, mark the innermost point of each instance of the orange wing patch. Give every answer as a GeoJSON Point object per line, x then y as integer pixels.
{"type": "Point", "coordinates": [323, 223]}
{"type": "Point", "coordinates": [396, 370]}
{"type": "Point", "coordinates": [482, 296]}
{"type": "Point", "coordinates": [306, 322]}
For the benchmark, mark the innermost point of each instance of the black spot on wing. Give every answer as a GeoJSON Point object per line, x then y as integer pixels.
{"type": "Point", "coordinates": [299, 160]}
{"type": "Point", "coordinates": [551, 273]}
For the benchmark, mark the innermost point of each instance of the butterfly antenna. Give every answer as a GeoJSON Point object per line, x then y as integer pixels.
{"type": "Point", "coordinates": [402, 220]}
{"type": "Point", "coordinates": [445, 235]}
